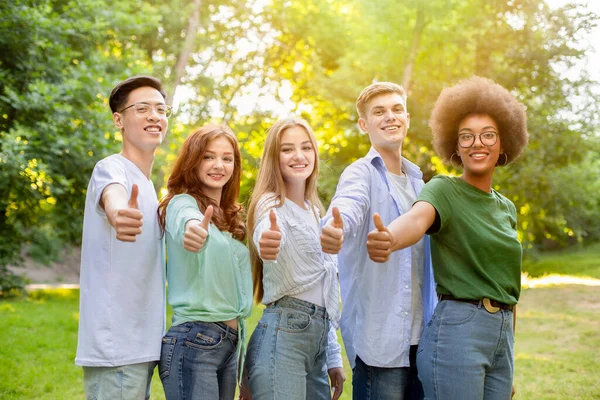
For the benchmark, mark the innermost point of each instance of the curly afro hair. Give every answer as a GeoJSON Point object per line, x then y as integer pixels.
{"type": "Point", "coordinates": [478, 95]}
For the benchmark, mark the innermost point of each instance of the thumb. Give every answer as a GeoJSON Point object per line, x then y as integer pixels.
{"type": "Point", "coordinates": [338, 222]}
{"type": "Point", "coordinates": [207, 216]}
{"type": "Point", "coordinates": [273, 219]}
{"type": "Point", "coordinates": [133, 203]}
{"type": "Point", "coordinates": [378, 223]}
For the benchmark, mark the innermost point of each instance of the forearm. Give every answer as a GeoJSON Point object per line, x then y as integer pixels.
{"type": "Point", "coordinates": [334, 350]}
{"type": "Point", "coordinates": [114, 198]}
{"type": "Point", "coordinates": [409, 228]}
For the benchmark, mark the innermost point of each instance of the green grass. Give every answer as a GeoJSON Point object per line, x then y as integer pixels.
{"type": "Point", "coordinates": [577, 261]}
{"type": "Point", "coordinates": [558, 336]}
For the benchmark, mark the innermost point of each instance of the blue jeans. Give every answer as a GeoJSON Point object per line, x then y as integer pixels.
{"type": "Point", "coordinates": [375, 383]}
{"type": "Point", "coordinates": [198, 361]}
{"type": "Point", "coordinates": [287, 352]}
{"type": "Point", "coordinates": [118, 383]}
{"type": "Point", "coordinates": [467, 353]}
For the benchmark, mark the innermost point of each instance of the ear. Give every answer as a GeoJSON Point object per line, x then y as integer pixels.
{"type": "Point", "coordinates": [118, 120]}
{"type": "Point", "coordinates": [407, 120]}
{"type": "Point", "coordinates": [363, 125]}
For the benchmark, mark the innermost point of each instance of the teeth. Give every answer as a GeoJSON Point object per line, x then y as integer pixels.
{"type": "Point", "coordinates": [153, 129]}
{"type": "Point", "coordinates": [299, 166]}
{"type": "Point", "coordinates": [391, 128]}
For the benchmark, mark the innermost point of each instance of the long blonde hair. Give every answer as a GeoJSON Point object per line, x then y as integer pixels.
{"type": "Point", "coordinates": [270, 180]}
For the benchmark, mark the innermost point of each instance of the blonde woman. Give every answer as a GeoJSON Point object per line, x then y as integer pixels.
{"type": "Point", "coordinates": [294, 346]}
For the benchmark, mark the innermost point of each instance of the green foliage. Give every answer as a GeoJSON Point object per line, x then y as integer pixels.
{"type": "Point", "coordinates": [60, 60]}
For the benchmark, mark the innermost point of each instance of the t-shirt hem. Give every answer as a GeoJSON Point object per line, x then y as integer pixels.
{"type": "Point", "coordinates": [115, 363]}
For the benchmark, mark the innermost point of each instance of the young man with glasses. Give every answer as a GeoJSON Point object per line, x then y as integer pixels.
{"type": "Point", "coordinates": [122, 305]}
{"type": "Point", "coordinates": [384, 305]}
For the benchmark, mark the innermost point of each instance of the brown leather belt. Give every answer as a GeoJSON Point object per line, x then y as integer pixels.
{"type": "Point", "coordinates": [492, 306]}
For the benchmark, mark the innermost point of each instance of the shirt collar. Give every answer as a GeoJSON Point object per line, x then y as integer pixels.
{"type": "Point", "coordinates": [412, 170]}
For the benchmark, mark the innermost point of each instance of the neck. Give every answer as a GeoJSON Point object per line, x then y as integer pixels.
{"type": "Point", "coordinates": [143, 159]}
{"type": "Point", "coordinates": [392, 158]}
{"type": "Point", "coordinates": [295, 192]}
{"type": "Point", "coordinates": [214, 194]}
{"type": "Point", "coordinates": [481, 182]}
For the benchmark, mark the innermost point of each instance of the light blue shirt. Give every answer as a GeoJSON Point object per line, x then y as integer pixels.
{"type": "Point", "coordinates": [376, 298]}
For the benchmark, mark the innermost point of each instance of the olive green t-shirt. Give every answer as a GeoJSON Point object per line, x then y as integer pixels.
{"type": "Point", "coordinates": [474, 246]}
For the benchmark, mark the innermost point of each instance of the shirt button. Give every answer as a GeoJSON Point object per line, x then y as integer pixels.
{"type": "Point", "coordinates": [405, 286]}
{"type": "Point", "coordinates": [405, 340]}
{"type": "Point", "coordinates": [405, 312]}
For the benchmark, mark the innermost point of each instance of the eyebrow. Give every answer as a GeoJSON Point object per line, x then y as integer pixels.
{"type": "Point", "coordinates": [291, 144]}
{"type": "Point", "coordinates": [214, 152]}
{"type": "Point", "coordinates": [484, 128]}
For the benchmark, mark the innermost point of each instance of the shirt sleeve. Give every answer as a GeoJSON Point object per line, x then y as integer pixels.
{"type": "Point", "coordinates": [334, 349]}
{"type": "Point", "coordinates": [180, 210]}
{"type": "Point", "coordinates": [263, 223]}
{"type": "Point", "coordinates": [435, 193]}
{"type": "Point", "coordinates": [107, 172]}
{"type": "Point", "coordinates": [352, 198]}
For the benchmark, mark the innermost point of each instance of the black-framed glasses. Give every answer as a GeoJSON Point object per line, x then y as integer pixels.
{"type": "Point", "coordinates": [143, 109]}
{"type": "Point", "coordinates": [466, 140]}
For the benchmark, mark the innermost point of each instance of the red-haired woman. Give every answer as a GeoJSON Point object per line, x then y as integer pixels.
{"type": "Point", "coordinates": [210, 283]}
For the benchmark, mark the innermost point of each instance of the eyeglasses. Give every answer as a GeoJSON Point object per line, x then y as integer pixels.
{"type": "Point", "coordinates": [466, 140]}
{"type": "Point", "coordinates": [143, 109]}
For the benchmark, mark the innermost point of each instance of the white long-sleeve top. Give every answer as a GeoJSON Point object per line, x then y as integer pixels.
{"type": "Point", "coordinates": [301, 264]}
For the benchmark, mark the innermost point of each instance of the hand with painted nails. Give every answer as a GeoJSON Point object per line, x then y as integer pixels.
{"type": "Point", "coordinates": [379, 241]}
{"type": "Point", "coordinates": [270, 240]}
{"type": "Point", "coordinates": [332, 235]}
{"type": "Point", "coordinates": [196, 232]}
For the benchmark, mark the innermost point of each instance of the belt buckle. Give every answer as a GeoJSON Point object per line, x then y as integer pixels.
{"type": "Point", "coordinates": [487, 304]}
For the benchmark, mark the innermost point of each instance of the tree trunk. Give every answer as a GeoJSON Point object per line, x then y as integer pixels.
{"type": "Point", "coordinates": [414, 47]}
{"type": "Point", "coordinates": [186, 49]}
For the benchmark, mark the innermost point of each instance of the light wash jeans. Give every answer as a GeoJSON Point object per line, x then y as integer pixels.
{"type": "Point", "coordinates": [466, 353]}
{"type": "Point", "coordinates": [126, 382]}
{"type": "Point", "coordinates": [287, 352]}
{"type": "Point", "coordinates": [375, 383]}
{"type": "Point", "coordinates": [198, 361]}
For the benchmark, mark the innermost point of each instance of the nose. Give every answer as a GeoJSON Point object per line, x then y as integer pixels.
{"type": "Point", "coordinates": [298, 154]}
{"type": "Point", "coordinates": [153, 114]}
{"type": "Point", "coordinates": [389, 115]}
{"type": "Point", "coordinates": [477, 139]}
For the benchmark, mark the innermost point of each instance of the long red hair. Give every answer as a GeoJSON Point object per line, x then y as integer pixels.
{"type": "Point", "coordinates": [184, 179]}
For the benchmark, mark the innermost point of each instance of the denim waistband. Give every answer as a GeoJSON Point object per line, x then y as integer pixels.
{"type": "Point", "coordinates": [301, 305]}
{"type": "Point", "coordinates": [227, 330]}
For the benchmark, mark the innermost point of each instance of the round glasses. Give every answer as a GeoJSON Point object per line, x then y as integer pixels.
{"type": "Point", "coordinates": [466, 140]}
{"type": "Point", "coordinates": [143, 109]}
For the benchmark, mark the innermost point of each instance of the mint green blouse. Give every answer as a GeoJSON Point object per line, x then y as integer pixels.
{"type": "Point", "coordinates": [212, 285]}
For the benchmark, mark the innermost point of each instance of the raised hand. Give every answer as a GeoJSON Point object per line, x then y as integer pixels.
{"type": "Point", "coordinates": [270, 240]}
{"type": "Point", "coordinates": [332, 235]}
{"type": "Point", "coordinates": [196, 232]}
{"type": "Point", "coordinates": [127, 221]}
{"type": "Point", "coordinates": [379, 241]}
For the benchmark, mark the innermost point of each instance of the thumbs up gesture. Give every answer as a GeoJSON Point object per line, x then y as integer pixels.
{"type": "Point", "coordinates": [380, 241]}
{"type": "Point", "coordinates": [127, 221]}
{"type": "Point", "coordinates": [196, 232]}
{"type": "Point", "coordinates": [332, 235]}
{"type": "Point", "coordinates": [270, 240]}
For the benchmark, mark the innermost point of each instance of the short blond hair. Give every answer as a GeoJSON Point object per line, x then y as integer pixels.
{"type": "Point", "coordinates": [374, 90]}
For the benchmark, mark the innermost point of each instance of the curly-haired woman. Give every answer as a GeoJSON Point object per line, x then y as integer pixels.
{"type": "Point", "coordinates": [466, 351]}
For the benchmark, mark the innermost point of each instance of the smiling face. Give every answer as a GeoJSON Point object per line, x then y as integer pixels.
{"type": "Point", "coordinates": [216, 167]}
{"type": "Point", "coordinates": [386, 121]}
{"type": "Point", "coordinates": [147, 132]}
{"type": "Point", "coordinates": [479, 159]}
{"type": "Point", "coordinates": [296, 155]}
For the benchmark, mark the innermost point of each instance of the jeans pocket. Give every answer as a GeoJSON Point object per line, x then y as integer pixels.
{"type": "Point", "coordinates": [294, 321]}
{"type": "Point", "coordinates": [457, 313]}
{"type": "Point", "coordinates": [204, 338]}
{"type": "Point", "coordinates": [166, 356]}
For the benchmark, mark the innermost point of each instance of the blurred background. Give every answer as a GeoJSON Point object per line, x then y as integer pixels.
{"type": "Point", "coordinates": [246, 63]}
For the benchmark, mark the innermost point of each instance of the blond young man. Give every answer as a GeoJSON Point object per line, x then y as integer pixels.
{"type": "Point", "coordinates": [385, 306]}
